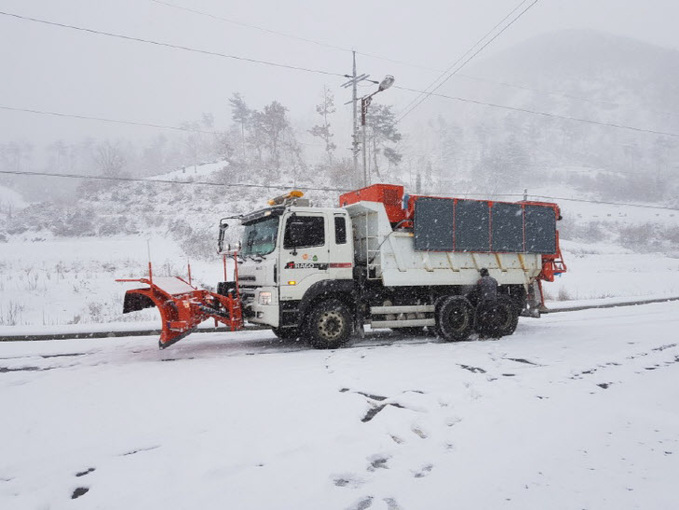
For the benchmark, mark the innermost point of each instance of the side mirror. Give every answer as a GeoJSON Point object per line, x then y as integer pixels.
{"type": "Point", "coordinates": [223, 225]}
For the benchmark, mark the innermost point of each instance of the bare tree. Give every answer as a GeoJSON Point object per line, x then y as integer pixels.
{"type": "Point", "coordinates": [110, 158]}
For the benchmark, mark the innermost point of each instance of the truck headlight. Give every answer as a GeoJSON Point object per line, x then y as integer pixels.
{"type": "Point", "coordinates": [265, 298]}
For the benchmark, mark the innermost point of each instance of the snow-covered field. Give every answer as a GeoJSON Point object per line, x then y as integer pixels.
{"type": "Point", "coordinates": [576, 410]}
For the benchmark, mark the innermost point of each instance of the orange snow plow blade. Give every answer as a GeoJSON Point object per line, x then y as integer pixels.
{"type": "Point", "coordinates": [182, 306]}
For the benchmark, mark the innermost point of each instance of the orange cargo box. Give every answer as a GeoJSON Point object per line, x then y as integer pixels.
{"type": "Point", "coordinates": [390, 195]}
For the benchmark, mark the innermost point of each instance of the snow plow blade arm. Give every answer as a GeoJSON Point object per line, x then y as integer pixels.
{"type": "Point", "coordinates": [182, 306]}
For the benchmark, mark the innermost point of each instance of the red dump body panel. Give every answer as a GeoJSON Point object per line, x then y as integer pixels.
{"type": "Point", "coordinates": [390, 195]}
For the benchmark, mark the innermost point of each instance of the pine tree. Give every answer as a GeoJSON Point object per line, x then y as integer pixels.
{"type": "Point", "coordinates": [325, 108]}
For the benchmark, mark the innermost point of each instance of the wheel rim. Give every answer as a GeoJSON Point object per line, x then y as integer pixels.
{"type": "Point", "coordinates": [330, 325]}
{"type": "Point", "coordinates": [457, 319]}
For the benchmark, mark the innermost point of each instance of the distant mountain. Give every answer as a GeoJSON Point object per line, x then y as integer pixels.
{"type": "Point", "coordinates": [634, 80]}
{"type": "Point", "coordinates": [578, 74]}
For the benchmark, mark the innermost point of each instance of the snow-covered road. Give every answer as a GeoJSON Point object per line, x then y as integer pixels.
{"type": "Point", "coordinates": [576, 410]}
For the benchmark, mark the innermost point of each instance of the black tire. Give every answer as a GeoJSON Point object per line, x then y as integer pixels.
{"type": "Point", "coordinates": [498, 318]}
{"type": "Point", "coordinates": [286, 333]}
{"type": "Point", "coordinates": [328, 325]}
{"type": "Point", "coordinates": [454, 319]}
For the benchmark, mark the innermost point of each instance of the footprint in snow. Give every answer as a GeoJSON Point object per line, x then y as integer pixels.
{"type": "Point", "coordinates": [348, 480]}
{"type": "Point", "coordinates": [423, 471]}
{"type": "Point", "coordinates": [378, 462]}
{"type": "Point", "coordinates": [362, 504]}
{"type": "Point", "coordinates": [419, 432]}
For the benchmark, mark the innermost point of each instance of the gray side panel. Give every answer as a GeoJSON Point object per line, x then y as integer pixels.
{"type": "Point", "coordinates": [472, 226]}
{"type": "Point", "coordinates": [540, 229]}
{"type": "Point", "coordinates": [434, 224]}
{"type": "Point", "coordinates": [507, 227]}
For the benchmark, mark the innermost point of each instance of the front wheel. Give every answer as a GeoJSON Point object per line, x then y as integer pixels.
{"type": "Point", "coordinates": [329, 325]}
{"type": "Point", "coordinates": [454, 319]}
{"type": "Point", "coordinates": [286, 333]}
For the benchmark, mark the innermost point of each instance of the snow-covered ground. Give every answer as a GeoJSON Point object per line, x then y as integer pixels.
{"type": "Point", "coordinates": [576, 410]}
{"type": "Point", "coordinates": [71, 281]}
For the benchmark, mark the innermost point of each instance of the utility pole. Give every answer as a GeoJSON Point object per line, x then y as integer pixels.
{"type": "Point", "coordinates": [354, 136]}
{"type": "Point", "coordinates": [353, 82]}
{"type": "Point", "coordinates": [387, 82]}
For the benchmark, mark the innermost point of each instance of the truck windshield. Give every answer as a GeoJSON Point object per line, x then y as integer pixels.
{"type": "Point", "coordinates": [259, 238]}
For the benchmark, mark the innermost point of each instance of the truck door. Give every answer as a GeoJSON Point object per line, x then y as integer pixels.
{"type": "Point", "coordinates": [304, 253]}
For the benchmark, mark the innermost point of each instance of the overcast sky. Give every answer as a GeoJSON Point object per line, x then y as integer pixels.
{"type": "Point", "coordinates": [56, 69]}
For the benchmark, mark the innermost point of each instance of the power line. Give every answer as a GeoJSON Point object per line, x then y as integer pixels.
{"type": "Point", "coordinates": [556, 94]}
{"type": "Point", "coordinates": [248, 25]}
{"type": "Point", "coordinates": [457, 65]}
{"type": "Point", "coordinates": [579, 200]}
{"type": "Point", "coordinates": [164, 181]}
{"type": "Point", "coordinates": [452, 98]}
{"type": "Point", "coordinates": [102, 119]}
{"type": "Point", "coordinates": [428, 93]}
{"type": "Point", "coordinates": [544, 114]}
{"type": "Point", "coordinates": [169, 45]}
{"type": "Point", "coordinates": [452, 66]}
{"type": "Point", "coordinates": [285, 187]}
{"type": "Point", "coordinates": [287, 35]}
{"type": "Point", "coordinates": [124, 122]}
{"type": "Point", "coordinates": [396, 61]}
{"type": "Point", "coordinates": [601, 202]}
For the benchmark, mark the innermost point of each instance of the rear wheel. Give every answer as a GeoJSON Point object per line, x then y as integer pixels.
{"type": "Point", "coordinates": [454, 319]}
{"type": "Point", "coordinates": [329, 325]}
{"type": "Point", "coordinates": [497, 318]}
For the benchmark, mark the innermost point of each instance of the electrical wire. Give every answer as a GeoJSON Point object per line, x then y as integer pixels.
{"type": "Point", "coordinates": [290, 36]}
{"type": "Point", "coordinates": [566, 199]}
{"type": "Point", "coordinates": [426, 92]}
{"type": "Point", "coordinates": [396, 61]}
{"type": "Point", "coordinates": [248, 25]}
{"type": "Point", "coordinates": [164, 181]}
{"type": "Point", "coordinates": [287, 187]}
{"type": "Point", "coordinates": [545, 114]}
{"type": "Point", "coordinates": [459, 64]}
{"type": "Point", "coordinates": [169, 45]}
{"type": "Point", "coordinates": [102, 119]}
{"type": "Point", "coordinates": [125, 122]}
{"type": "Point", "coordinates": [452, 66]}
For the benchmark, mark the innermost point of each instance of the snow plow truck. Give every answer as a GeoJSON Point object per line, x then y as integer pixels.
{"type": "Point", "coordinates": [380, 258]}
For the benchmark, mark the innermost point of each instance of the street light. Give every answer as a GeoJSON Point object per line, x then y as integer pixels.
{"type": "Point", "coordinates": [387, 82]}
